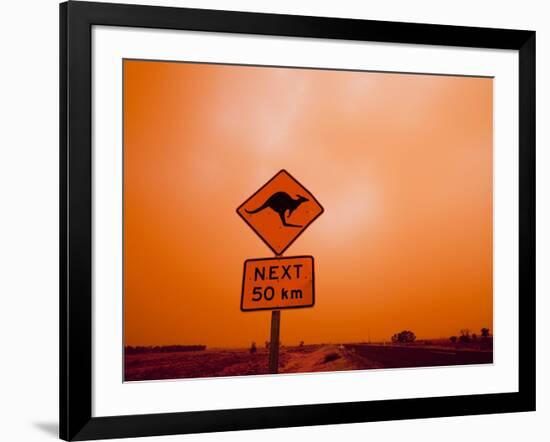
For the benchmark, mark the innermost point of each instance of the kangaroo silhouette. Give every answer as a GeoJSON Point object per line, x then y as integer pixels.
{"type": "Point", "coordinates": [281, 202]}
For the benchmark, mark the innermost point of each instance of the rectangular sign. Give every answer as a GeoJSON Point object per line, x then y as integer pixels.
{"type": "Point", "coordinates": [278, 283]}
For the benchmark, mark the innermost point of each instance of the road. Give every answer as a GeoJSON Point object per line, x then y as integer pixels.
{"type": "Point", "coordinates": [393, 356]}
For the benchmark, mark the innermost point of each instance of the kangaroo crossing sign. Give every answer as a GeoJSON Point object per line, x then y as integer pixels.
{"type": "Point", "coordinates": [280, 211]}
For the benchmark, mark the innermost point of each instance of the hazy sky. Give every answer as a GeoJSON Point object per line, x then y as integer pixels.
{"type": "Point", "coordinates": [402, 165]}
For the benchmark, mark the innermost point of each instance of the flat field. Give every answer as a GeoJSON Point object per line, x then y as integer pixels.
{"type": "Point", "coordinates": [306, 359]}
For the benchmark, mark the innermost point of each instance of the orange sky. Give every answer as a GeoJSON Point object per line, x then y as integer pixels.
{"type": "Point", "coordinates": [402, 165]}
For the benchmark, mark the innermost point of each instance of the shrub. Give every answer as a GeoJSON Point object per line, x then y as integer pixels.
{"type": "Point", "coordinates": [331, 357]}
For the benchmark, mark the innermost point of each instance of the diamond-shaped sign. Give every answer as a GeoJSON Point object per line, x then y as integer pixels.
{"type": "Point", "coordinates": [280, 211]}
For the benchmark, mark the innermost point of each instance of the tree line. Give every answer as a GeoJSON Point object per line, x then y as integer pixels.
{"type": "Point", "coordinates": [465, 337]}
{"type": "Point", "coordinates": [163, 348]}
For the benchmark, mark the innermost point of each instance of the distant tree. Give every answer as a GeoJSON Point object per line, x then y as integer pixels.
{"type": "Point", "coordinates": [484, 332]}
{"type": "Point", "coordinates": [453, 339]}
{"type": "Point", "coordinates": [253, 348]}
{"type": "Point", "coordinates": [301, 343]}
{"type": "Point", "coordinates": [464, 336]}
{"type": "Point", "coordinates": [474, 337]}
{"type": "Point", "coordinates": [403, 337]}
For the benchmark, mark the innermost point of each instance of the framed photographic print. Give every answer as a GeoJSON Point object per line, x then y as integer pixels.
{"type": "Point", "coordinates": [273, 220]}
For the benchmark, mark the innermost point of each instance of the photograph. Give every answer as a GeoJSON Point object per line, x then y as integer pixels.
{"type": "Point", "coordinates": [334, 220]}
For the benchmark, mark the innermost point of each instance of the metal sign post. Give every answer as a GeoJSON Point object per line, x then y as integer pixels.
{"type": "Point", "coordinates": [274, 342]}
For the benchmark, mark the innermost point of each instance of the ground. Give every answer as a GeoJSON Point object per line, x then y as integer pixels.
{"type": "Point", "coordinates": [309, 358]}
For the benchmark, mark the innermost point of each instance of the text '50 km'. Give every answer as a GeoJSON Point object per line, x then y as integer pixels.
{"type": "Point", "coordinates": [278, 283]}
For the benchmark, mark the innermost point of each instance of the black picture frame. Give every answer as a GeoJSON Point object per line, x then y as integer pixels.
{"type": "Point", "coordinates": [76, 21]}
